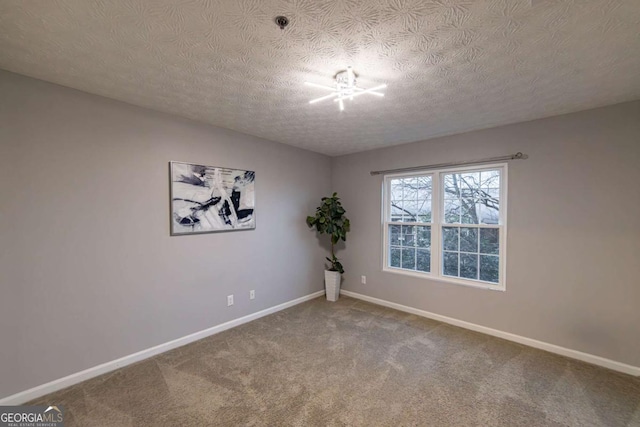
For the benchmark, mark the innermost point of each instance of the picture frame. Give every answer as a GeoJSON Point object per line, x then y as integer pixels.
{"type": "Point", "coordinates": [210, 199]}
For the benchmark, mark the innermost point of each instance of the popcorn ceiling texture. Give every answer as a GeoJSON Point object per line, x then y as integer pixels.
{"type": "Point", "coordinates": [451, 65]}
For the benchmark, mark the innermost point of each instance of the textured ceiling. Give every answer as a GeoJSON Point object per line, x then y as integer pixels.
{"type": "Point", "coordinates": [450, 65]}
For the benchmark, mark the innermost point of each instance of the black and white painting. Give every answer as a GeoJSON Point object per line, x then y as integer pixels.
{"type": "Point", "coordinates": [206, 199]}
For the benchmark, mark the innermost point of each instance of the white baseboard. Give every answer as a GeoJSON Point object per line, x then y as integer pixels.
{"type": "Point", "coordinates": [50, 387]}
{"type": "Point", "coordinates": [552, 348]}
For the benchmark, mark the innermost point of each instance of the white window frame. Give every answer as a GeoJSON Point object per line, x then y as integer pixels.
{"type": "Point", "coordinates": [437, 222]}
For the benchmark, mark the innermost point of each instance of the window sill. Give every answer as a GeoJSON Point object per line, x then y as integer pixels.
{"type": "Point", "coordinates": [430, 276]}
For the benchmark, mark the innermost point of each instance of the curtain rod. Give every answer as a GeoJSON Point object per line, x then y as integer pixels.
{"type": "Point", "coordinates": [517, 156]}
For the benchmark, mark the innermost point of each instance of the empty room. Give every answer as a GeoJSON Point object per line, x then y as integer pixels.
{"type": "Point", "coordinates": [319, 213]}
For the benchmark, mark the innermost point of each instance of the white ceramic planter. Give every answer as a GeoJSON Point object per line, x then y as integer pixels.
{"type": "Point", "coordinates": [332, 284]}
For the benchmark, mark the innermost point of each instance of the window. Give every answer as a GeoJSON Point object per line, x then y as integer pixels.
{"type": "Point", "coordinates": [447, 225]}
{"type": "Point", "coordinates": [409, 227]}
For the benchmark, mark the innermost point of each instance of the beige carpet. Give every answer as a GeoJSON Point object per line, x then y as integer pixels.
{"type": "Point", "coordinates": [352, 363]}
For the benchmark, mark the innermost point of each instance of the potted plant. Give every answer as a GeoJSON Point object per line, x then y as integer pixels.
{"type": "Point", "coordinates": [330, 219]}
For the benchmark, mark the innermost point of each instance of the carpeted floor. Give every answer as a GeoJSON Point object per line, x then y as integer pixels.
{"type": "Point", "coordinates": [351, 363]}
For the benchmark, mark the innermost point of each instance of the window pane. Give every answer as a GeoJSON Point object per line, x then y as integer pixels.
{"type": "Point", "coordinates": [423, 210]}
{"type": "Point", "coordinates": [394, 258]}
{"type": "Point", "coordinates": [489, 197]}
{"type": "Point", "coordinates": [396, 189]}
{"type": "Point", "coordinates": [489, 212]}
{"type": "Point", "coordinates": [423, 237]}
{"type": "Point", "coordinates": [394, 235]}
{"type": "Point", "coordinates": [410, 189]}
{"type": "Point", "coordinates": [472, 197]}
{"type": "Point", "coordinates": [469, 266]}
{"type": "Point", "coordinates": [450, 238]}
{"type": "Point", "coordinates": [396, 200]}
{"type": "Point", "coordinates": [490, 193]}
{"type": "Point", "coordinates": [450, 264]}
{"type": "Point", "coordinates": [452, 211]}
{"type": "Point", "coordinates": [467, 193]}
{"type": "Point", "coordinates": [408, 236]}
{"type": "Point", "coordinates": [469, 180]}
{"type": "Point", "coordinates": [469, 239]}
{"type": "Point", "coordinates": [424, 187]}
{"type": "Point", "coordinates": [423, 260]}
{"type": "Point", "coordinates": [396, 211]}
{"type": "Point", "coordinates": [468, 211]}
{"type": "Point", "coordinates": [410, 211]}
{"type": "Point", "coordinates": [399, 210]}
{"type": "Point", "coordinates": [451, 186]}
{"type": "Point", "coordinates": [410, 199]}
{"type": "Point", "coordinates": [489, 268]}
{"type": "Point", "coordinates": [489, 240]}
{"type": "Point", "coordinates": [490, 179]}
{"type": "Point", "coordinates": [409, 258]}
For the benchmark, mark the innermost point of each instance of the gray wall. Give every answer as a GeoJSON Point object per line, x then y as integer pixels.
{"type": "Point", "coordinates": [573, 250]}
{"type": "Point", "coordinates": [88, 271]}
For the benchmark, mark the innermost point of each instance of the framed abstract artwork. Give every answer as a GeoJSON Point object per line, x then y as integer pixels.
{"type": "Point", "coordinates": [206, 199]}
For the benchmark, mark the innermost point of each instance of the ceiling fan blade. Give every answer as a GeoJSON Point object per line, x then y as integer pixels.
{"type": "Point", "coordinates": [359, 89]}
{"type": "Point", "coordinates": [373, 89]}
{"type": "Point", "coordinates": [322, 98]}
{"type": "Point", "coordinates": [320, 86]}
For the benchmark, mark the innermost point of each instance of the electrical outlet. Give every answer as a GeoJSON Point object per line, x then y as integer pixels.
{"type": "Point", "coordinates": [363, 280]}
{"type": "Point", "coordinates": [229, 300]}
{"type": "Point", "coordinates": [252, 294]}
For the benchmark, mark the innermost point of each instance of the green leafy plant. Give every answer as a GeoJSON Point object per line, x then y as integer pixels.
{"type": "Point", "coordinates": [330, 219]}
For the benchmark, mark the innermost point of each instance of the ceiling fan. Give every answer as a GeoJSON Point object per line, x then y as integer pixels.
{"type": "Point", "coordinates": [345, 88]}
